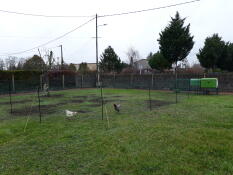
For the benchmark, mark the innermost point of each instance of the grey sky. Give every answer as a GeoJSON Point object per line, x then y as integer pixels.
{"type": "Point", "coordinates": [141, 31]}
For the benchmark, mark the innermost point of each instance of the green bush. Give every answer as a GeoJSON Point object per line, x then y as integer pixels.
{"type": "Point", "coordinates": [19, 75]}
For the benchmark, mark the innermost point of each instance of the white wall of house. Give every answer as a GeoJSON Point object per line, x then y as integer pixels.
{"type": "Point", "coordinates": [91, 66]}
{"type": "Point", "coordinates": [142, 64]}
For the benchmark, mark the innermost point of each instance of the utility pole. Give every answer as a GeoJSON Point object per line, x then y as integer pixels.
{"type": "Point", "coordinates": [97, 60]}
{"type": "Point", "coordinates": [41, 58]}
{"type": "Point", "coordinates": [62, 67]}
{"type": "Point", "coordinates": [62, 61]}
{"type": "Point", "coordinates": [39, 52]}
{"type": "Point", "coordinates": [41, 76]}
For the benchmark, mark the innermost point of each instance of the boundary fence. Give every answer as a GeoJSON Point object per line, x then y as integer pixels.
{"type": "Point", "coordinates": [159, 81]}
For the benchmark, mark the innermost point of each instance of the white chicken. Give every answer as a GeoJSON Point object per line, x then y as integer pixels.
{"type": "Point", "coordinates": [70, 113]}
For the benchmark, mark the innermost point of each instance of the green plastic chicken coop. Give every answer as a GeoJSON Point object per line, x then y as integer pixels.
{"type": "Point", "coordinates": [209, 83]}
{"type": "Point", "coordinates": [195, 82]}
{"type": "Point", "coordinates": [205, 85]}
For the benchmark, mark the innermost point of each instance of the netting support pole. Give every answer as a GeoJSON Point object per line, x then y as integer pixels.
{"type": "Point", "coordinates": [176, 83]}
{"type": "Point", "coordinates": [189, 88]}
{"type": "Point", "coordinates": [152, 80]}
{"type": "Point", "coordinates": [114, 79]}
{"type": "Point", "coordinates": [82, 81]}
{"type": "Point", "coordinates": [131, 81]}
{"type": "Point", "coordinates": [63, 81]}
{"type": "Point", "coordinates": [41, 81]}
{"type": "Point", "coordinates": [150, 99]}
{"type": "Point", "coordinates": [38, 95]}
{"type": "Point", "coordinates": [13, 82]}
{"type": "Point", "coordinates": [10, 96]}
{"type": "Point", "coordinates": [102, 102]}
{"type": "Point", "coordinates": [76, 80]}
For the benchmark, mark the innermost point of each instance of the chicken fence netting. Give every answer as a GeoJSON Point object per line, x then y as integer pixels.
{"type": "Point", "coordinates": [90, 81]}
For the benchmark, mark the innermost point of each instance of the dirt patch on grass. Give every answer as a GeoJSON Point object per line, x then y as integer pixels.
{"type": "Point", "coordinates": [45, 110]}
{"type": "Point", "coordinates": [82, 111]}
{"type": "Point", "coordinates": [95, 100]}
{"type": "Point", "coordinates": [53, 96]}
{"type": "Point", "coordinates": [60, 104]}
{"type": "Point", "coordinates": [81, 96]}
{"type": "Point", "coordinates": [109, 101]}
{"type": "Point", "coordinates": [158, 103]}
{"type": "Point", "coordinates": [94, 105]}
{"type": "Point", "coordinates": [98, 102]}
{"type": "Point", "coordinates": [76, 101]}
{"type": "Point", "coordinates": [116, 96]}
{"type": "Point", "coordinates": [85, 96]}
{"type": "Point", "coordinates": [16, 102]}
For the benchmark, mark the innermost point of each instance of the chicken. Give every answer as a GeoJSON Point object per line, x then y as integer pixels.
{"type": "Point", "coordinates": [70, 113]}
{"type": "Point", "coordinates": [117, 107]}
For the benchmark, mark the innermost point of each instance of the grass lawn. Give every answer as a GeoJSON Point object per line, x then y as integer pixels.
{"type": "Point", "coordinates": [194, 136]}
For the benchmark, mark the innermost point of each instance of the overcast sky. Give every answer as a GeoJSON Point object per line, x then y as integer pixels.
{"type": "Point", "coordinates": [140, 31]}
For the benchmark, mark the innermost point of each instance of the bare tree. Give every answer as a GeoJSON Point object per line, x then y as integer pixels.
{"type": "Point", "coordinates": [58, 63]}
{"type": "Point", "coordinates": [48, 57]}
{"type": "Point", "coordinates": [2, 64]}
{"type": "Point", "coordinates": [51, 60]}
{"type": "Point", "coordinates": [21, 63]}
{"type": "Point", "coordinates": [133, 55]}
{"type": "Point", "coordinates": [184, 64]}
{"type": "Point", "coordinates": [10, 63]}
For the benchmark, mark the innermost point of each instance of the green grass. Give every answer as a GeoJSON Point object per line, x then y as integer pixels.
{"type": "Point", "coordinates": [194, 136]}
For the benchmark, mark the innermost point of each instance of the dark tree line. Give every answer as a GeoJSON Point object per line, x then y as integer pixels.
{"type": "Point", "coordinates": [110, 61]}
{"type": "Point", "coordinates": [216, 54]}
{"type": "Point", "coordinates": [175, 44]}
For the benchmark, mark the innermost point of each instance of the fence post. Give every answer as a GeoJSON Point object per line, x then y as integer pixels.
{"type": "Point", "coordinates": [149, 99]}
{"type": "Point", "coordinates": [152, 80]}
{"type": "Point", "coordinates": [82, 81]}
{"type": "Point", "coordinates": [131, 80]}
{"type": "Point", "coordinates": [41, 82]}
{"type": "Point", "coordinates": [63, 81]}
{"type": "Point", "coordinates": [38, 95]}
{"type": "Point", "coordinates": [13, 82]}
{"type": "Point", "coordinates": [10, 95]}
{"type": "Point", "coordinates": [76, 81]}
{"type": "Point", "coordinates": [102, 101]}
{"type": "Point", "coordinates": [114, 79]}
{"type": "Point", "coordinates": [48, 81]}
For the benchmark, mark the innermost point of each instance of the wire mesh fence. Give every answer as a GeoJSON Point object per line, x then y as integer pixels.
{"type": "Point", "coordinates": [172, 91]}
{"type": "Point", "coordinates": [130, 81]}
{"type": "Point", "coordinates": [4, 86]}
{"type": "Point", "coordinates": [87, 103]}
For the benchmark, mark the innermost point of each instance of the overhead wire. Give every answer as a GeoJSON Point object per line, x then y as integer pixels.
{"type": "Point", "coordinates": [150, 9]}
{"type": "Point", "coordinates": [48, 42]}
{"type": "Point", "coordinates": [47, 16]}
{"type": "Point", "coordinates": [37, 37]}
{"type": "Point", "coordinates": [89, 16]}
{"type": "Point", "coordinates": [93, 17]}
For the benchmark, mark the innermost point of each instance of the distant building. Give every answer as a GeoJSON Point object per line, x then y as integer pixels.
{"type": "Point", "coordinates": [91, 66]}
{"type": "Point", "coordinates": [142, 65]}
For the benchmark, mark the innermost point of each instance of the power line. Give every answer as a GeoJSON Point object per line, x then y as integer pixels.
{"type": "Point", "coordinates": [47, 16]}
{"type": "Point", "coordinates": [89, 16]}
{"type": "Point", "coordinates": [42, 37]}
{"type": "Point", "coordinates": [48, 42]}
{"type": "Point", "coordinates": [151, 9]}
{"type": "Point", "coordinates": [107, 15]}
